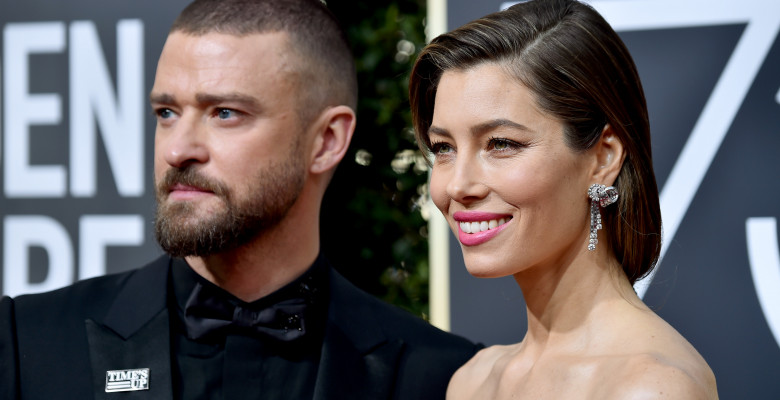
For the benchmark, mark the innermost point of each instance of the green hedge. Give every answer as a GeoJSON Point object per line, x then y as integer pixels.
{"type": "Point", "coordinates": [372, 226]}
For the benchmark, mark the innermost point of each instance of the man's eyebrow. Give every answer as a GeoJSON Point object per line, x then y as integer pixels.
{"type": "Point", "coordinates": [207, 99]}
{"type": "Point", "coordinates": [210, 99]}
{"type": "Point", "coordinates": [161, 98]}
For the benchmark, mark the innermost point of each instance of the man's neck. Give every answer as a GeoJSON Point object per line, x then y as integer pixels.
{"type": "Point", "coordinates": [262, 266]}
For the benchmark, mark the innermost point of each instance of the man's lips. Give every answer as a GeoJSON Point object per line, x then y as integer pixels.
{"type": "Point", "coordinates": [183, 192]}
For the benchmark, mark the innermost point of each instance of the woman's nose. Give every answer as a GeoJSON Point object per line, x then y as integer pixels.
{"type": "Point", "coordinates": [467, 183]}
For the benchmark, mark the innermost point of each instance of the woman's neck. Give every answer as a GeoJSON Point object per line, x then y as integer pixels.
{"type": "Point", "coordinates": [568, 299]}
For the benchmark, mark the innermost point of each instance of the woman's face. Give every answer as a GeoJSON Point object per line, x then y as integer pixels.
{"type": "Point", "coordinates": [511, 189]}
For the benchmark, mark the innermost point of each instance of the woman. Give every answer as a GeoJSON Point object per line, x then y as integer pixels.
{"type": "Point", "coordinates": [537, 122]}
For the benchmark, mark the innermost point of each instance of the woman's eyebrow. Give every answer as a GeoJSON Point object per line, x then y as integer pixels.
{"type": "Point", "coordinates": [491, 125]}
{"type": "Point", "coordinates": [482, 128]}
{"type": "Point", "coordinates": [433, 129]}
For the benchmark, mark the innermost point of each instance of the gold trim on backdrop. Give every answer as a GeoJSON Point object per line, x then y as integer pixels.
{"type": "Point", "coordinates": [438, 231]}
{"type": "Point", "coordinates": [439, 260]}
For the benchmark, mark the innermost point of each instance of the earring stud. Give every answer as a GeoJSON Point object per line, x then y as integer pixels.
{"type": "Point", "coordinates": [600, 196]}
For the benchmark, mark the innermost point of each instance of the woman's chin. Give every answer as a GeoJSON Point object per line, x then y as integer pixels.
{"type": "Point", "coordinates": [488, 265]}
{"type": "Point", "coordinates": [485, 272]}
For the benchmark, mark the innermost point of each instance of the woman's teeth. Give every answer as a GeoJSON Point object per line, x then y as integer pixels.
{"type": "Point", "coordinates": [481, 226]}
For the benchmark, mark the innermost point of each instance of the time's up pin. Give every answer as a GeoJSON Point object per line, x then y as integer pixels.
{"type": "Point", "coordinates": [126, 380]}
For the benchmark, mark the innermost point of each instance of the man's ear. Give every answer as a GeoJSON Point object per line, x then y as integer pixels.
{"type": "Point", "coordinates": [337, 124]}
{"type": "Point", "coordinates": [609, 155]}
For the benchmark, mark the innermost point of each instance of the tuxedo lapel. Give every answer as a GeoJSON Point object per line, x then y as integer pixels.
{"type": "Point", "coordinates": [347, 373]}
{"type": "Point", "coordinates": [149, 348]}
{"type": "Point", "coordinates": [140, 299]}
{"type": "Point", "coordinates": [357, 361]}
{"type": "Point", "coordinates": [135, 335]}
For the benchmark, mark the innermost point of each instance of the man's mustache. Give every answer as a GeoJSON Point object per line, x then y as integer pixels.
{"type": "Point", "coordinates": [189, 176]}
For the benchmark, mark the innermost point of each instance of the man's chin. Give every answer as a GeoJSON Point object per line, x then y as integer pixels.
{"type": "Point", "coordinates": [190, 213]}
{"type": "Point", "coordinates": [184, 232]}
{"type": "Point", "coordinates": [181, 242]}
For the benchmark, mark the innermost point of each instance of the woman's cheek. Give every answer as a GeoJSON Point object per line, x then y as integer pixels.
{"type": "Point", "coordinates": [439, 190]}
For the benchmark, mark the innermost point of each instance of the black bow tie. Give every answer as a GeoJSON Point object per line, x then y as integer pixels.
{"type": "Point", "coordinates": [209, 312]}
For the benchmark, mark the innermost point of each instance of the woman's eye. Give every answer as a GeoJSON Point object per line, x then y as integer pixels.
{"type": "Point", "coordinates": [441, 148]}
{"type": "Point", "coordinates": [502, 144]}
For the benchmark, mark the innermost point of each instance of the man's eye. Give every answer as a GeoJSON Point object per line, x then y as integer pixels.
{"type": "Point", "coordinates": [225, 113]}
{"type": "Point", "coordinates": [164, 113]}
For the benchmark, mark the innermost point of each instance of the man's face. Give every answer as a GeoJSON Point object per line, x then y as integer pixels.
{"type": "Point", "coordinates": [229, 161]}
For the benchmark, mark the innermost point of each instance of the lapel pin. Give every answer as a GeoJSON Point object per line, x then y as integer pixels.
{"type": "Point", "coordinates": [127, 380]}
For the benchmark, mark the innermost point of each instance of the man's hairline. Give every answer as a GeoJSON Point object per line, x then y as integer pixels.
{"type": "Point", "coordinates": [293, 47]}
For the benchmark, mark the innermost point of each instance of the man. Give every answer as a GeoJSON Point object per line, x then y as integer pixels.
{"type": "Point", "coordinates": [254, 103]}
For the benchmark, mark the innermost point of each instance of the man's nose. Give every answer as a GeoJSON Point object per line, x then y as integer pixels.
{"type": "Point", "coordinates": [184, 143]}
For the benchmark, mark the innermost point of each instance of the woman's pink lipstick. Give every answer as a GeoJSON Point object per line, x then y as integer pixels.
{"type": "Point", "coordinates": [477, 238]}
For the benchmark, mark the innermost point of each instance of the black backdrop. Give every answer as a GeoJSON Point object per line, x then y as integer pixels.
{"type": "Point", "coordinates": [77, 71]}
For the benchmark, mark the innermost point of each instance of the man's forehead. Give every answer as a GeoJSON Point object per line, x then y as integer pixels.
{"type": "Point", "coordinates": [198, 69]}
{"type": "Point", "coordinates": [215, 41]}
{"type": "Point", "coordinates": [269, 52]}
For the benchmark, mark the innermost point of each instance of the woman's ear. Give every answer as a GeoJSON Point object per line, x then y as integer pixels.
{"type": "Point", "coordinates": [610, 154]}
{"type": "Point", "coordinates": [332, 138]}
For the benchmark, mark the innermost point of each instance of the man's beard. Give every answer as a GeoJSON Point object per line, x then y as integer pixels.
{"type": "Point", "coordinates": [268, 199]}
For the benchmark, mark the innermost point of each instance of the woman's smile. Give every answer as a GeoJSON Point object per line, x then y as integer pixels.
{"type": "Point", "coordinates": [476, 227]}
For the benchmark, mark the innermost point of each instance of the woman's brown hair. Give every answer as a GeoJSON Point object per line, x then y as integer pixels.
{"type": "Point", "coordinates": [582, 74]}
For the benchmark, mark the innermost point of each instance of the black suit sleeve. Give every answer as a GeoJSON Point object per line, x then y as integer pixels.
{"type": "Point", "coordinates": [9, 365]}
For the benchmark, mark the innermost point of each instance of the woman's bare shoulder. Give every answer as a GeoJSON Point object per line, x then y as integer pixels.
{"type": "Point", "coordinates": [654, 376]}
{"type": "Point", "coordinates": [657, 363]}
{"type": "Point", "coordinates": [473, 376]}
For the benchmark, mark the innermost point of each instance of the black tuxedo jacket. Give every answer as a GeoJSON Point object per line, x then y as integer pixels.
{"type": "Point", "coordinates": [59, 345]}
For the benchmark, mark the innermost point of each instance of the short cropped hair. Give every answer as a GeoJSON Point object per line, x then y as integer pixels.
{"type": "Point", "coordinates": [582, 74]}
{"type": "Point", "coordinates": [316, 36]}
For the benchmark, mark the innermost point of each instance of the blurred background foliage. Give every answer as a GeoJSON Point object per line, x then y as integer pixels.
{"type": "Point", "coordinates": [372, 224]}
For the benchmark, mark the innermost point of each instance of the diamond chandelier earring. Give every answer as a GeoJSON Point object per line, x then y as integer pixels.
{"type": "Point", "coordinates": [600, 196]}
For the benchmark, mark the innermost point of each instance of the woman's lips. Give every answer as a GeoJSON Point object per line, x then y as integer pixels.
{"type": "Point", "coordinates": [477, 227]}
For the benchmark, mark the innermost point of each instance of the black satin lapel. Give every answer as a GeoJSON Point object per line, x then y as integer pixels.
{"type": "Point", "coordinates": [149, 347]}
{"type": "Point", "coordinates": [141, 298]}
{"type": "Point", "coordinates": [345, 373]}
